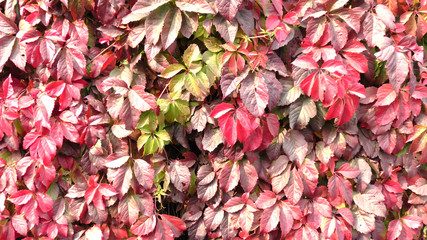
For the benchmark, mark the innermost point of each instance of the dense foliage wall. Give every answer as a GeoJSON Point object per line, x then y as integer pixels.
{"type": "Point", "coordinates": [207, 119]}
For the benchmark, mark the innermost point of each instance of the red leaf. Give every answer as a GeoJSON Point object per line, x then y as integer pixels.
{"type": "Point", "coordinates": [371, 201]}
{"type": "Point", "coordinates": [229, 82]}
{"type": "Point", "coordinates": [208, 191]}
{"type": "Point", "coordinates": [386, 114]}
{"type": "Point", "coordinates": [306, 62]}
{"type": "Point", "coordinates": [397, 66]}
{"type": "Point", "coordinates": [227, 29]}
{"type": "Point", "coordinates": [373, 29]}
{"type": "Point", "coordinates": [334, 66]}
{"type": "Point", "coordinates": [65, 66]}
{"type": "Point", "coordinates": [176, 225]}
{"type": "Point", "coordinates": [234, 124]}
{"type": "Point", "coordinates": [338, 186]}
{"type": "Point", "coordinates": [55, 89]}
{"type": "Point", "coordinates": [412, 221]}
{"type": "Point", "coordinates": [30, 138]}
{"type": "Point", "coordinates": [387, 16]}
{"type": "Point", "coordinates": [253, 141]}
{"type": "Point", "coordinates": [316, 28]}
{"type": "Point", "coordinates": [213, 217]}
{"type": "Point", "coordinates": [364, 222]}
{"type": "Point", "coordinates": [221, 109]}
{"type": "Point", "coordinates": [356, 60]}
{"type": "Point", "coordinates": [387, 141]}
{"type": "Point", "coordinates": [116, 160]}
{"type": "Point", "coordinates": [44, 202]}
{"type": "Point", "coordinates": [6, 47]}
{"type": "Point", "coordinates": [266, 200]}
{"type": "Point", "coordinates": [288, 213]}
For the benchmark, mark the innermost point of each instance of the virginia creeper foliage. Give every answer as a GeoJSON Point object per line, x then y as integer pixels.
{"type": "Point", "coordinates": [213, 119]}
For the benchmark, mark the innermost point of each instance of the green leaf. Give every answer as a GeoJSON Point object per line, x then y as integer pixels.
{"type": "Point", "coordinates": [213, 62]}
{"type": "Point", "coordinates": [53, 190]}
{"type": "Point", "coordinates": [151, 146]}
{"type": "Point", "coordinates": [164, 104]}
{"type": "Point", "coordinates": [178, 111]}
{"type": "Point", "coordinates": [192, 54]}
{"type": "Point", "coordinates": [193, 186]}
{"type": "Point", "coordinates": [150, 119]}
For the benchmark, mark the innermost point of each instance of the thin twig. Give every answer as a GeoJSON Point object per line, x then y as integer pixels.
{"type": "Point", "coordinates": [167, 85]}
{"type": "Point", "coordinates": [102, 52]}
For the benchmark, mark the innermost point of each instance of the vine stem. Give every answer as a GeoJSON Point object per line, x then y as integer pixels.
{"type": "Point", "coordinates": [259, 36]}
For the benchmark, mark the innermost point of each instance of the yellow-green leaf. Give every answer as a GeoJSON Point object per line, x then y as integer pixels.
{"type": "Point", "coordinates": [192, 54]}
{"type": "Point", "coordinates": [172, 70]}
{"type": "Point", "coordinates": [177, 83]}
{"type": "Point", "coordinates": [142, 140]}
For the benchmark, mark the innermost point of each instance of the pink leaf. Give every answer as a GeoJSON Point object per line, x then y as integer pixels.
{"type": "Point", "coordinates": [255, 94]}
{"type": "Point", "coordinates": [144, 226]}
{"type": "Point", "coordinates": [141, 100]}
{"type": "Point", "coordinates": [270, 218]}
{"type": "Point", "coordinates": [385, 95]}
{"type": "Point", "coordinates": [229, 177]}
{"type": "Point", "coordinates": [348, 171]}
{"type": "Point", "coordinates": [228, 8]}
{"type": "Point", "coordinates": [21, 197]}
{"type": "Point", "coordinates": [248, 176]}
{"type": "Point", "coordinates": [20, 224]}
{"type": "Point", "coordinates": [144, 173]}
